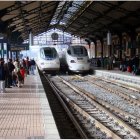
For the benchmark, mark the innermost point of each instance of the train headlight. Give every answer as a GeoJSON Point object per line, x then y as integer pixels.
{"type": "Point", "coordinates": [72, 61]}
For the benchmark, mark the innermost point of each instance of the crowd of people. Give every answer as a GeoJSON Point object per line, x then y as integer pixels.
{"type": "Point", "coordinates": [14, 72]}
{"type": "Point", "coordinates": [130, 65]}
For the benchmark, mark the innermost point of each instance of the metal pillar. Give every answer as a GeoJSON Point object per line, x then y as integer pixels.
{"type": "Point", "coordinates": [95, 49]}
{"type": "Point", "coordinates": [109, 42]}
{"type": "Point", "coordinates": [120, 46]}
{"type": "Point", "coordinates": [132, 35]}
{"type": "Point", "coordinates": [31, 43]}
{"type": "Point", "coordinates": [102, 58]}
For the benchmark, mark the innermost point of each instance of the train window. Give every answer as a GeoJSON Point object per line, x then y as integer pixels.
{"type": "Point", "coordinates": [69, 52]}
{"type": "Point", "coordinates": [50, 53]}
{"type": "Point", "coordinates": [80, 50]}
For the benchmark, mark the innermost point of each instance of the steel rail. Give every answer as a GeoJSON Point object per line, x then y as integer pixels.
{"type": "Point", "coordinates": [115, 109]}
{"type": "Point", "coordinates": [119, 83]}
{"type": "Point", "coordinates": [130, 98]}
{"type": "Point", "coordinates": [57, 93]}
{"type": "Point", "coordinates": [96, 101]}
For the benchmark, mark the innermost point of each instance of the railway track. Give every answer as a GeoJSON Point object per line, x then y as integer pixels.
{"type": "Point", "coordinates": [121, 83]}
{"type": "Point", "coordinates": [131, 96]}
{"type": "Point", "coordinates": [95, 118]}
{"type": "Point", "coordinates": [126, 93]}
{"type": "Point", "coordinates": [65, 126]}
{"type": "Point", "coordinates": [129, 115]}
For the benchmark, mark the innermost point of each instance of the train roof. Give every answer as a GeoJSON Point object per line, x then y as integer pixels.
{"type": "Point", "coordinates": [47, 47]}
{"type": "Point", "coordinates": [78, 45]}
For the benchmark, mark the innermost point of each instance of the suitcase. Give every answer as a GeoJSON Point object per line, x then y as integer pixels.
{"type": "Point", "coordinates": [2, 86]}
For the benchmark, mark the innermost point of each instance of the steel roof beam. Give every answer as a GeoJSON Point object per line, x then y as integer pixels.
{"type": "Point", "coordinates": [40, 14]}
{"type": "Point", "coordinates": [46, 27]}
{"type": "Point", "coordinates": [50, 16]}
{"type": "Point", "coordinates": [37, 22]}
{"type": "Point", "coordinates": [32, 21]}
{"type": "Point", "coordinates": [115, 7]}
{"type": "Point", "coordinates": [21, 11]}
{"type": "Point", "coordinates": [14, 7]}
{"type": "Point", "coordinates": [114, 21]}
{"type": "Point", "coordinates": [79, 13]}
{"type": "Point", "coordinates": [34, 11]}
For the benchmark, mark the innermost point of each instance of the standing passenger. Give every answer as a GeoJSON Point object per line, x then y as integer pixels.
{"type": "Point", "coordinates": [10, 68]}
{"type": "Point", "coordinates": [32, 65]}
{"type": "Point", "coordinates": [19, 78]}
{"type": "Point", "coordinates": [27, 65]}
{"type": "Point", "coordinates": [14, 78]}
{"type": "Point", "coordinates": [2, 76]}
{"type": "Point", "coordinates": [17, 65]}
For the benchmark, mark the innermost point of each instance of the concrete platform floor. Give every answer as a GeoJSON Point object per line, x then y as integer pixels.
{"type": "Point", "coordinates": [25, 112]}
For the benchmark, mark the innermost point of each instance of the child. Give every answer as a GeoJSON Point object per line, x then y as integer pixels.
{"type": "Point", "coordinates": [22, 72]}
{"type": "Point", "coordinates": [19, 78]}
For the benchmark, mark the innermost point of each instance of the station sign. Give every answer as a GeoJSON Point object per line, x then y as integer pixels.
{"type": "Point", "coordinates": [21, 47]}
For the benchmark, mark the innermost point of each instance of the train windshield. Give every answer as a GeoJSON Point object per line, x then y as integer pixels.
{"type": "Point", "coordinates": [79, 51]}
{"type": "Point", "coordinates": [49, 53]}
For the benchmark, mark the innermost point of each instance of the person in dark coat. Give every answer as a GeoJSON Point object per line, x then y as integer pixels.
{"type": "Point", "coordinates": [9, 68]}
{"type": "Point", "coordinates": [2, 75]}
{"type": "Point", "coordinates": [2, 70]}
{"type": "Point", "coordinates": [135, 64]}
{"type": "Point", "coordinates": [27, 65]}
{"type": "Point", "coordinates": [32, 66]}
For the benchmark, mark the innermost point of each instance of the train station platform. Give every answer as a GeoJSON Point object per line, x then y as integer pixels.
{"type": "Point", "coordinates": [25, 112]}
{"type": "Point", "coordinates": [120, 77]}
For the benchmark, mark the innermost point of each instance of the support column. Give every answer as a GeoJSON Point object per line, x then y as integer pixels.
{"type": "Point", "coordinates": [133, 49]}
{"type": "Point", "coordinates": [95, 48]}
{"type": "Point", "coordinates": [132, 35]}
{"type": "Point", "coordinates": [109, 41]}
{"type": "Point", "coordinates": [102, 58]}
{"type": "Point", "coordinates": [31, 43]}
{"type": "Point", "coordinates": [120, 46]}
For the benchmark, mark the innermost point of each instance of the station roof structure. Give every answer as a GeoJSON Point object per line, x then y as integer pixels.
{"type": "Point", "coordinates": [88, 19]}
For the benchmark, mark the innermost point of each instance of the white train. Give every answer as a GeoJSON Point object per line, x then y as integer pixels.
{"type": "Point", "coordinates": [48, 60]}
{"type": "Point", "coordinates": [76, 59]}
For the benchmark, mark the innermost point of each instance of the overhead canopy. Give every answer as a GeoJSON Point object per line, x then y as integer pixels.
{"type": "Point", "coordinates": [25, 16]}
{"type": "Point", "coordinates": [100, 16]}
{"type": "Point", "coordinates": [82, 18]}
